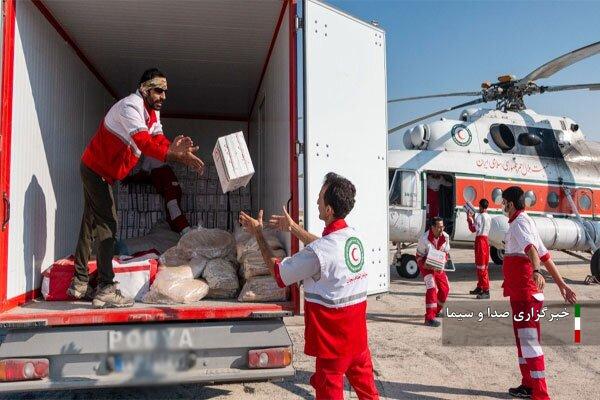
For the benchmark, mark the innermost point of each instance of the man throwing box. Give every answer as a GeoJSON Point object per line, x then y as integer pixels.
{"type": "Point", "coordinates": [130, 128]}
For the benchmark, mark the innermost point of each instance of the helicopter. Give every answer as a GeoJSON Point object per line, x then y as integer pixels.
{"type": "Point", "coordinates": [487, 150]}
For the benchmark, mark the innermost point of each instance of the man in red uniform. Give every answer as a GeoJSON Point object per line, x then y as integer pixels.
{"type": "Point", "coordinates": [436, 281]}
{"type": "Point", "coordinates": [434, 181]}
{"type": "Point", "coordinates": [335, 288]}
{"type": "Point", "coordinates": [130, 128]}
{"type": "Point", "coordinates": [524, 284]}
{"type": "Point", "coordinates": [480, 225]}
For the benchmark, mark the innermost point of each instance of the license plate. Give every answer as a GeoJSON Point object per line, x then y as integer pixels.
{"type": "Point", "coordinates": [149, 363]}
{"type": "Point", "coordinates": [147, 340]}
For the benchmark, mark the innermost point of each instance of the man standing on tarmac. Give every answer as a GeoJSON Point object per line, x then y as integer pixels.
{"type": "Point", "coordinates": [130, 128]}
{"type": "Point", "coordinates": [436, 281]}
{"type": "Point", "coordinates": [524, 285]}
{"type": "Point", "coordinates": [480, 224]}
{"type": "Point", "coordinates": [335, 289]}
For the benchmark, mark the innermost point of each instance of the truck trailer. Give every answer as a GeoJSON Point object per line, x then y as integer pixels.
{"type": "Point", "coordinates": [307, 88]}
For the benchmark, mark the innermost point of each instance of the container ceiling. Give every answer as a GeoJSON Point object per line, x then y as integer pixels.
{"type": "Point", "coordinates": [212, 51]}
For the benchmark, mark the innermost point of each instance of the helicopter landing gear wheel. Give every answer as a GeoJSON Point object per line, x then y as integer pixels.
{"type": "Point", "coordinates": [497, 255]}
{"type": "Point", "coordinates": [407, 266]}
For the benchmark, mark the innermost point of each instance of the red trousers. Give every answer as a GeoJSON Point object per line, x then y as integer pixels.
{"type": "Point", "coordinates": [482, 259]}
{"type": "Point", "coordinates": [433, 203]}
{"type": "Point", "coordinates": [437, 289]}
{"type": "Point", "coordinates": [166, 183]}
{"type": "Point", "coordinates": [328, 379]}
{"type": "Point", "coordinates": [531, 356]}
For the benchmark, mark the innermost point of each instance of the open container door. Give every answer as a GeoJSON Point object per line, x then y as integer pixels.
{"type": "Point", "coordinates": [346, 125]}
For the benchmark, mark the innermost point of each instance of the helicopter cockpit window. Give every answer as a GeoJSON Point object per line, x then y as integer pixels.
{"type": "Point", "coordinates": [403, 189]}
{"type": "Point", "coordinates": [503, 137]}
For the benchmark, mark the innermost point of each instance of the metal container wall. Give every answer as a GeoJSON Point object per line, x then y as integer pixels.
{"type": "Point", "coordinates": [57, 106]}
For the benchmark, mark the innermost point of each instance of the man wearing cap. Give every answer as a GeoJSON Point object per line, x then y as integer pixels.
{"type": "Point", "coordinates": [524, 285]}
{"type": "Point", "coordinates": [335, 290]}
{"type": "Point", "coordinates": [130, 128]}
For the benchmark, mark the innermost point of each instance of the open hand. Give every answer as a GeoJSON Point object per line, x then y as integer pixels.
{"type": "Point", "coordinates": [250, 224]}
{"type": "Point", "coordinates": [182, 150]}
{"type": "Point", "coordinates": [568, 294]}
{"type": "Point", "coordinates": [282, 222]}
{"type": "Point", "coordinates": [192, 161]}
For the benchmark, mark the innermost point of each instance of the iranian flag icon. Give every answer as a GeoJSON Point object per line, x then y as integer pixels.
{"type": "Point", "coordinates": [577, 330]}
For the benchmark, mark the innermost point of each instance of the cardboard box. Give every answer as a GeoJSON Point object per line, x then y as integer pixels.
{"type": "Point", "coordinates": [222, 202]}
{"type": "Point", "coordinates": [222, 218]}
{"type": "Point", "coordinates": [232, 161]}
{"type": "Point", "coordinates": [246, 203]}
{"type": "Point", "coordinates": [235, 202]}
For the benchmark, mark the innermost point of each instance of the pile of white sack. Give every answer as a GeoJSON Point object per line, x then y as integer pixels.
{"type": "Point", "coordinates": [259, 285]}
{"type": "Point", "coordinates": [207, 263]}
{"type": "Point", "coordinates": [202, 264]}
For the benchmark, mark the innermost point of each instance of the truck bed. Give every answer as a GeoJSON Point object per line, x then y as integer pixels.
{"type": "Point", "coordinates": [57, 313]}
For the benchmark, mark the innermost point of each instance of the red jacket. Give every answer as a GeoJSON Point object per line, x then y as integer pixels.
{"type": "Point", "coordinates": [128, 130]}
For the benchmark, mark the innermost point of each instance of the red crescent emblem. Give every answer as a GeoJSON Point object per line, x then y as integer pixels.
{"type": "Point", "coordinates": [352, 254]}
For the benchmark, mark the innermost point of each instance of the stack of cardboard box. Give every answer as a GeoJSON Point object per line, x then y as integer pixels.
{"type": "Point", "coordinates": [140, 207]}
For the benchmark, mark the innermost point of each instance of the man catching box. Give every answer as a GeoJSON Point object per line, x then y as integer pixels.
{"type": "Point", "coordinates": [335, 291]}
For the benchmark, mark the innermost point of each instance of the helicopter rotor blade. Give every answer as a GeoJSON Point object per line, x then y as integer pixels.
{"type": "Point", "coordinates": [559, 63]}
{"type": "Point", "coordinates": [404, 125]}
{"type": "Point", "coordinates": [560, 88]}
{"type": "Point", "coordinates": [433, 96]}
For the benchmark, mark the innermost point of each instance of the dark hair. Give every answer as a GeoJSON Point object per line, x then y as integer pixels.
{"type": "Point", "coordinates": [435, 220]}
{"type": "Point", "coordinates": [339, 194]}
{"type": "Point", "coordinates": [514, 194]}
{"type": "Point", "coordinates": [483, 203]}
{"type": "Point", "coordinates": [150, 74]}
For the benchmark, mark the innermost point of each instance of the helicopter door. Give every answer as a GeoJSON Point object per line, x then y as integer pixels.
{"type": "Point", "coordinates": [346, 125]}
{"type": "Point", "coordinates": [468, 189]}
{"type": "Point", "coordinates": [406, 214]}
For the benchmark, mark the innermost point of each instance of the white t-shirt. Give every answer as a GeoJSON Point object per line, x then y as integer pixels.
{"type": "Point", "coordinates": [522, 233]}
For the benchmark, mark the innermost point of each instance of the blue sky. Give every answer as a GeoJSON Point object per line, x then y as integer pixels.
{"type": "Point", "coordinates": [445, 46]}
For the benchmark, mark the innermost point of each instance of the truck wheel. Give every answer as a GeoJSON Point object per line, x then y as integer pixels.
{"type": "Point", "coordinates": [497, 255]}
{"type": "Point", "coordinates": [595, 264]}
{"type": "Point", "coordinates": [407, 267]}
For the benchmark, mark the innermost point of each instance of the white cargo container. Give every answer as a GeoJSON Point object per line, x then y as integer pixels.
{"type": "Point", "coordinates": [231, 66]}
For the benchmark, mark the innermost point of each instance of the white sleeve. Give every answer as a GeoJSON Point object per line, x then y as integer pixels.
{"type": "Point", "coordinates": [300, 266]}
{"type": "Point", "coordinates": [131, 119]}
{"type": "Point", "coordinates": [422, 247]}
{"type": "Point", "coordinates": [524, 236]}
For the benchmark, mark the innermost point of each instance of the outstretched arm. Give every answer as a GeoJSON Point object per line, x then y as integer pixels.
{"type": "Point", "coordinates": [255, 226]}
{"type": "Point", "coordinates": [567, 293]}
{"type": "Point", "coordinates": [286, 223]}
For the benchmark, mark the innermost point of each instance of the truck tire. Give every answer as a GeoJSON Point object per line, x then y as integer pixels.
{"type": "Point", "coordinates": [407, 267]}
{"type": "Point", "coordinates": [497, 255]}
{"type": "Point", "coordinates": [595, 264]}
